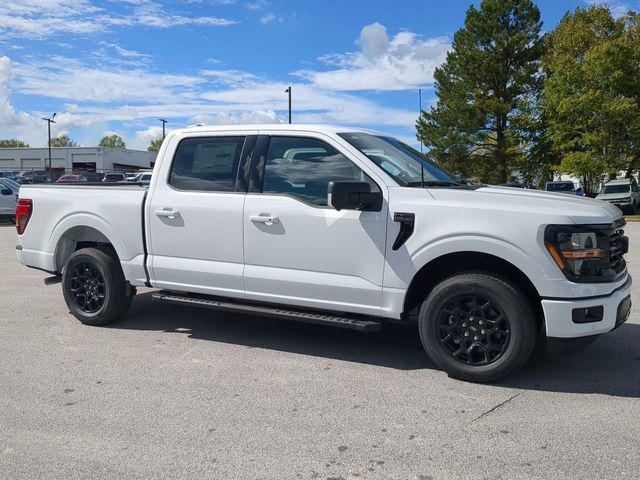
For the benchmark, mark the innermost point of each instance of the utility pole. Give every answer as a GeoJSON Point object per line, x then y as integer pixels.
{"type": "Point", "coordinates": [288, 90]}
{"type": "Point", "coordinates": [421, 152]}
{"type": "Point", "coordinates": [49, 122]}
{"type": "Point", "coordinates": [420, 114]}
{"type": "Point", "coordinates": [163, 123]}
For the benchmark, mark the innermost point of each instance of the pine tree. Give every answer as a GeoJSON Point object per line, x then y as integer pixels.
{"type": "Point", "coordinates": [491, 68]}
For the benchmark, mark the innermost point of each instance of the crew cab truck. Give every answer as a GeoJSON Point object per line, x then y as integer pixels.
{"type": "Point", "coordinates": [338, 226]}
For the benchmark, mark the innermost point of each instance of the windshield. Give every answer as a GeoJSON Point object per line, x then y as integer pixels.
{"type": "Point", "coordinates": [397, 159]}
{"type": "Point", "coordinates": [560, 187]}
{"type": "Point", "coordinates": [624, 188]}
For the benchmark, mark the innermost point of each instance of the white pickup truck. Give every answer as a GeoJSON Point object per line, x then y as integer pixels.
{"type": "Point", "coordinates": [338, 226]}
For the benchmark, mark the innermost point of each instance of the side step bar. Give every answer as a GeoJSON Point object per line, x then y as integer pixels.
{"type": "Point", "coordinates": [362, 325]}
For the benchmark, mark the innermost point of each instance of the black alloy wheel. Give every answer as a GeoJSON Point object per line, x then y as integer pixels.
{"type": "Point", "coordinates": [94, 286]}
{"type": "Point", "coordinates": [87, 287]}
{"type": "Point", "coordinates": [478, 326]}
{"type": "Point", "coordinates": [474, 329]}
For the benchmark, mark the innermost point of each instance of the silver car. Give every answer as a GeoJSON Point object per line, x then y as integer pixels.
{"type": "Point", "coordinates": [623, 193]}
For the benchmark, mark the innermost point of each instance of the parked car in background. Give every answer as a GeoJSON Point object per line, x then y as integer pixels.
{"type": "Point", "coordinates": [623, 193]}
{"type": "Point", "coordinates": [71, 179]}
{"type": "Point", "coordinates": [8, 199]}
{"type": "Point", "coordinates": [93, 176]}
{"type": "Point", "coordinates": [32, 177]}
{"type": "Point", "coordinates": [13, 185]}
{"type": "Point", "coordinates": [114, 177]}
{"type": "Point", "coordinates": [341, 227]}
{"type": "Point", "coordinates": [144, 178]}
{"type": "Point", "coordinates": [7, 174]}
{"type": "Point", "coordinates": [131, 176]}
{"type": "Point", "coordinates": [563, 187]}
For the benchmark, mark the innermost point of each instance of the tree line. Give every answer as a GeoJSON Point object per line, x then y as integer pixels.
{"type": "Point", "coordinates": [63, 140]}
{"type": "Point", "coordinates": [512, 102]}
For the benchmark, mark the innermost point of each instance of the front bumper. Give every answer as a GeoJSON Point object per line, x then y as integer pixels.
{"type": "Point", "coordinates": [558, 313]}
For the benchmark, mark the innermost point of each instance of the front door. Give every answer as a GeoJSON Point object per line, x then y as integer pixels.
{"type": "Point", "coordinates": [195, 216]}
{"type": "Point", "coordinates": [300, 251]}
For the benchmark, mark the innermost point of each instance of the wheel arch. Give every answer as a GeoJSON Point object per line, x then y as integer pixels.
{"type": "Point", "coordinates": [444, 266]}
{"type": "Point", "coordinates": [67, 240]}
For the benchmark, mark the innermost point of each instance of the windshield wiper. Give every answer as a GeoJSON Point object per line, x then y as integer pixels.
{"type": "Point", "coordinates": [434, 183]}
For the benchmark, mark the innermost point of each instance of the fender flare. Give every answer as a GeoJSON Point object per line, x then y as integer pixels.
{"type": "Point", "coordinates": [475, 243]}
{"type": "Point", "coordinates": [86, 220]}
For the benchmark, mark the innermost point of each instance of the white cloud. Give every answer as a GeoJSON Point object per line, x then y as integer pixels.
{"type": "Point", "coordinates": [224, 118]}
{"type": "Point", "coordinates": [16, 124]}
{"type": "Point", "coordinates": [45, 18]}
{"type": "Point", "coordinates": [78, 82]}
{"type": "Point", "coordinates": [256, 5]}
{"type": "Point", "coordinates": [229, 77]}
{"type": "Point", "coordinates": [142, 138]}
{"type": "Point", "coordinates": [116, 87]}
{"type": "Point", "coordinates": [618, 9]}
{"type": "Point", "coordinates": [404, 62]}
{"type": "Point", "coordinates": [270, 18]}
{"type": "Point", "coordinates": [124, 52]}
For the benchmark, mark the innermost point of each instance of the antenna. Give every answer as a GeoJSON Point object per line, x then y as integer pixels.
{"type": "Point", "coordinates": [421, 153]}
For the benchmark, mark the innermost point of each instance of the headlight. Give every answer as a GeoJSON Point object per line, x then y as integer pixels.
{"type": "Point", "coordinates": [622, 200]}
{"type": "Point", "coordinates": [583, 252]}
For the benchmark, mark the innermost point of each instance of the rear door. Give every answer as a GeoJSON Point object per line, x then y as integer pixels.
{"type": "Point", "coordinates": [194, 225]}
{"type": "Point", "coordinates": [300, 251]}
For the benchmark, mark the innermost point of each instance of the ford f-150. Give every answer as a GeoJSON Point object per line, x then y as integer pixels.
{"type": "Point", "coordinates": [338, 226]}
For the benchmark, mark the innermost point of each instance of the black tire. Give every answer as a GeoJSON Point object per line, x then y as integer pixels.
{"type": "Point", "coordinates": [94, 286]}
{"type": "Point", "coordinates": [496, 353]}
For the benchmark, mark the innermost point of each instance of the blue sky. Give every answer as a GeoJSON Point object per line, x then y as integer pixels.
{"type": "Point", "coordinates": [116, 66]}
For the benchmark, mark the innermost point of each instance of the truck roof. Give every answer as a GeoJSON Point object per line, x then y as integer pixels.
{"type": "Point", "coordinates": [318, 128]}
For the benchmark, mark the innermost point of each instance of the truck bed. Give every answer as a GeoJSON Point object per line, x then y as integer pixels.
{"type": "Point", "coordinates": [114, 209]}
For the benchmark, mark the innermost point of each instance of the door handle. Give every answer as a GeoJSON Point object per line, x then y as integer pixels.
{"type": "Point", "coordinates": [167, 212]}
{"type": "Point", "coordinates": [266, 219]}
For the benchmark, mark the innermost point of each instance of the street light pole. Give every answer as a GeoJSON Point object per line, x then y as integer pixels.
{"type": "Point", "coordinates": [288, 90]}
{"type": "Point", "coordinates": [49, 122]}
{"type": "Point", "coordinates": [163, 123]}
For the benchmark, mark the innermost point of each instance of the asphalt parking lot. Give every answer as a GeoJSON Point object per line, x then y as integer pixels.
{"type": "Point", "coordinates": [171, 392]}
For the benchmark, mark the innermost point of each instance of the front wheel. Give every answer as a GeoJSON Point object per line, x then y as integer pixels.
{"type": "Point", "coordinates": [94, 286]}
{"type": "Point", "coordinates": [477, 327]}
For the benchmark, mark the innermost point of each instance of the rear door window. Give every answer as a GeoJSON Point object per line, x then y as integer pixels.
{"type": "Point", "coordinates": [207, 164]}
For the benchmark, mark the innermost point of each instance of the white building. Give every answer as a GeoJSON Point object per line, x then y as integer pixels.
{"type": "Point", "coordinates": [70, 159]}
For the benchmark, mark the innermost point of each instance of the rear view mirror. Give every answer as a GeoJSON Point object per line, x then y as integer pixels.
{"type": "Point", "coordinates": [345, 195]}
{"type": "Point", "coordinates": [6, 191]}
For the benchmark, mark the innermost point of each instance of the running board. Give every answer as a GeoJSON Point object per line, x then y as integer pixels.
{"type": "Point", "coordinates": [352, 323]}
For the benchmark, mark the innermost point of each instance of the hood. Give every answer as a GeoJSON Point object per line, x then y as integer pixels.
{"type": "Point", "coordinates": [579, 210]}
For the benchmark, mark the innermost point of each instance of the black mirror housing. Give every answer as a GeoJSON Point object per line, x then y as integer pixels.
{"type": "Point", "coordinates": [6, 191]}
{"type": "Point", "coordinates": [346, 195]}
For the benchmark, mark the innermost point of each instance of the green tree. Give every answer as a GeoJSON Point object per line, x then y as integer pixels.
{"type": "Point", "coordinates": [114, 141]}
{"type": "Point", "coordinates": [154, 146]}
{"type": "Point", "coordinates": [63, 141]}
{"type": "Point", "coordinates": [493, 64]}
{"type": "Point", "coordinates": [12, 143]}
{"type": "Point", "coordinates": [591, 93]}
{"type": "Point", "coordinates": [539, 159]}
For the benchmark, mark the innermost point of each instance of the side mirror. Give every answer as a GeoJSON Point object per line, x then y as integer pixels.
{"type": "Point", "coordinates": [6, 191]}
{"type": "Point", "coordinates": [345, 195]}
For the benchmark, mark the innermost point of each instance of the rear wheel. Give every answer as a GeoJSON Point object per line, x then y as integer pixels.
{"type": "Point", "coordinates": [94, 286]}
{"type": "Point", "coordinates": [477, 327]}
